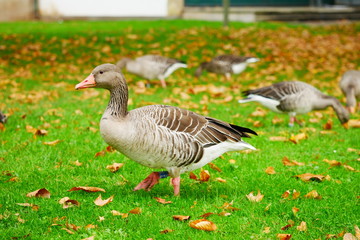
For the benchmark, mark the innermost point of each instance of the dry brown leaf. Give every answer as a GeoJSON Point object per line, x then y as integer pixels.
{"type": "Point", "coordinates": [270, 170]}
{"type": "Point", "coordinates": [43, 192]}
{"type": "Point", "coordinates": [87, 189]}
{"type": "Point", "coordinates": [283, 236]}
{"type": "Point", "coordinates": [161, 200]}
{"type": "Point", "coordinates": [100, 202]}
{"type": "Point", "coordinates": [286, 194]}
{"type": "Point", "coordinates": [296, 194]}
{"type": "Point", "coordinates": [354, 123]}
{"type": "Point", "coordinates": [203, 224]}
{"type": "Point", "coordinates": [117, 213]}
{"type": "Point", "coordinates": [296, 138]}
{"type": "Point", "coordinates": [349, 168]}
{"type": "Point", "coordinates": [310, 177]}
{"type": "Point", "coordinates": [52, 143]}
{"type": "Point", "coordinates": [90, 226]}
{"type": "Point", "coordinates": [288, 162]}
{"type": "Point", "coordinates": [257, 123]}
{"type": "Point", "coordinates": [77, 163]}
{"type": "Point", "coordinates": [295, 210]}
{"type": "Point", "coordinates": [232, 161]}
{"type": "Point", "coordinates": [266, 230]}
{"type": "Point", "coordinates": [278, 138]}
{"type": "Point", "coordinates": [332, 163]}
{"type": "Point", "coordinates": [101, 218]}
{"type": "Point", "coordinates": [68, 230]}
{"type": "Point", "coordinates": [349, 236]}
{"type": "Point", "coordinates": [259, 112]}
{"type": "Point", "coordinates": [328, 125]}
{"type": "Point", "coordinates": [277, 120]}
{"type": "Point", "coordinates": [228, 206]}
{"type": "Point", "coordinates": [136, 210]}
{"type": "Point", "coordinates": [114, 167]}
{"type": "Point", "coordinates": [302, 227]}
{"type": "Point", "coordinates": [220, 180]}
{"type": "Point", "coordinates": [41, 132]}
{"type": "Point", "coordinates": [33, 206]}
{"type": "Point", "coordinates": [255, 198]}
{"type": "Point", "coordinates": [180, 217]}
{"type": "Point", "coordinates": [67, 202]}
{"type": "Point", "coordinates": [89, 238]}
{"type": "Point", "coordinates": [213, 166]}
{"type": "Point", "coordinates": [313, 195]}
{"type": "Point", "coordinates": [357, 232]}
{"type": "Point", "coordinates": [204, 175]}
{"type": "Point", "coordinates": [206, 215]}
{"type": "Point", "coordinates": [193, 176]}
{"type": "Point", "coordinates": [166, 231]}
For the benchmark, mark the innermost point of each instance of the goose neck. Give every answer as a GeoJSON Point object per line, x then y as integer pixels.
{"type": "Point", "coordinates": [117, 106]}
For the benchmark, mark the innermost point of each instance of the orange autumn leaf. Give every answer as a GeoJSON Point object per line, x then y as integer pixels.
{"type": "Point", "coordinates": [204, 175]}
{"type": "Point", "coordinates": [136, 210]}
{"type": "Point", "coordinates": [213, 166]}
{"type": "Point", "coordinates": [228, 206]}
{"type": "Point", "coordinates": [349, 168]}
{"type": "Point", "coordinates": [52, 143]}
{"type": "Point", "coordinates": [295, 210]}
{"type": "Point", "coordinates": [354, 123]}
{"type": "Point", "coordinates": [287, 162]}
{"type": "Point", "coordinates": [33, 206]}
{"type": "Point", "coordinates": [278, 138]}
{"type": "Point", "coordinates": [286, 194]}
{"type": "Point", "coordinates": [310, 177]}
{"type": "Point", "coordinates": [114, 167]}
{"type": "Point", "coordinates": [166, 231]}
{"type": "Point", "coordinates": [100, 202]}
{"type": "Point", "coordinates": [193, 176]}
{"type": "Point", "coordinates": [221, 180]}
{"type": "Point", "coordinates": [117, 213]}
{"type": "Point", "coordinates": [283, 236]}
{"type": "Point", "coordinates": [332, 163]}
{"type": "Point", "coordinates": [87, 189]}
{"type": "Point", "coordinates": [206, 215]}
{"type": "Point", "coordinates": [43, 192]}
{"type": "Point", "coordinates": [180, 217]}
{"type": "Point", "coordinates": [259, 112]}
{"type": "Point", "coordinates": [203, 224]}
{"type": "Point", "coordinates": [313, 195]}
{"type": "Point", "coordinates": [328, 125]}
{"type": "Point", "coordinates": [296, 138]}
{"type": "Point", "coordinates": [255, 198]}
{"type": "Point", "coordinates": [66, 202]}
{"type": "Point", "coordinates": [270, 170]}
{"type": "Point", "coordinates": [161, 200]}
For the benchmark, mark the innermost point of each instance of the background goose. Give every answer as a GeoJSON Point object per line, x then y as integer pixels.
{"type": "Point", "coordinates": [294, 97]}
{"type": "Point", "coordinates": [350, 86]}
{"type": "Point", "coordinates": [226, 64]}
{"type": "Point", "coordinates": [152, 66]}
{"type": "Point", "coordinates": [159, 136]}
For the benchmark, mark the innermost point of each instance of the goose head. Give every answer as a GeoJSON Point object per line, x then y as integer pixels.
{"type": "Point", "coordinates": [107, 76]}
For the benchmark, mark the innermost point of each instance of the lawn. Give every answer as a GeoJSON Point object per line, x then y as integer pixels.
{"type": "Point", "coordinates": [52, 140]}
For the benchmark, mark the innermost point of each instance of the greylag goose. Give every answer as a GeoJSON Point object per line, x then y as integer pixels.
{"type": "Point", "coordinates": [294, 97]}
{"type": "Point", "coordinates": [160, 136]}
{"type": "Point", "coordinates": [226, 64]}
{"type": "Point", "coordinates": [152, 67]}
{"type": "Point", "coordinates": [350, 86]}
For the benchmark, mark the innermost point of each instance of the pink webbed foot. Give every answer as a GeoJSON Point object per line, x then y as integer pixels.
{"type": "Point", "coordinates": [151, 180]}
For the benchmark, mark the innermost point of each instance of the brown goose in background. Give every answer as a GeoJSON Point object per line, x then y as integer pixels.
{"type": "Point", "coordinates": [226, 64]}
{"type": "Point", "coordinates": [294, 97]}
{"type": "Point", "coordinates": [3, 118]}
{"type": "Point", "coordinates": [159, 136]}
{"type": "Point", "coordinates": [152, 67]}
{"type": "Point", "coordinates": [350, 86]}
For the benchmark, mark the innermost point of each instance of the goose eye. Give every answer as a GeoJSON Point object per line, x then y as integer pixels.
{"type": "Point", "coordinates": [101, 72]}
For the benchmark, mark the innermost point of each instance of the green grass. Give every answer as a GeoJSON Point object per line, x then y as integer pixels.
{"type": "Point", "coordinates": [42, 62]}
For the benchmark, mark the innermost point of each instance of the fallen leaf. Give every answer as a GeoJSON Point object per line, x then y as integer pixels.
{"type": "Point", "coordinates": [349, 236]}
{"type": "Point", "coordinates": [33, 206]}
{"type": "Point", "coordinates": [310, 177]}
{"type": "Point", "coordinates": [166, 231]}
{"type": "Point", "coordinates": [87, 189]}
{"type": "Point", "coordinates": [100, 202]}
{"type": "Point", "coordinates": [295, 210]}
{"type": "Point", "coordinates": [90, 226]}
{"type": "Point", "coordinates": [136, 210]}
{"type": "Point", "coordinates": [296, 138]}
{"type": "Point", "coordinates": [332, 163]}
{"type": "Point", "coordinates": [228, 206]}
{"type": "Point", "coordinates": [277, 120]}
{"type": "Point", "coordinates": [114, 167]}
{"type": "Point", "coordinates": [213, 166]}
{"type": "Point", "coordinates": [289, 225]}
{"type": "Point", "coordinates": [313, 195]}
{"type": "Point", "coordinates": [206, 215]}
{"type": "Point", "coordinates": [89, 238]}
{"type": "Point", "coordinates": [41, 132]}
{"type": "Point", "coordinates": [349, 168]}
{"type": "Point", "coordinates": [296, 194]}
{"type": "Point", "coordinates": [203, 224]}
{"type": "Point", "coordinates": [67, 202]}
{"type": "Point", "coordinates": [354, 123]}
{"type": "Point", "coordinates": [270, 170]}
{"type": "Point", "coordinates": [286, 194]}
{"type": "Point", "coordinates": [101, 218]}
{"type": "Point", "coordinates": [254, 198]}
{"type": "Point", "coordinates": [161, 200]}
{"type": "Point", "coordinates": [53, 143]}
{"type": "Point", "coordinates": [232, 161]}
{"type": "Point", "coordinates": [192, 176]}
{"type": "Point", "coordinates": [117, 213]}
{"type": "Point", "coordinates": [278, 138]}
{"type": "Point", "coordinates": [328, 125]}
{"type": "Point", "coordinates": [288, 162]}
{"type": "Point", "coordinates": [259, 112]}
{"type": "Point", "coordinates": [204, 175]}
{"type": "Point", "coordinates": [68, 230]}
{"type": "Point", "coordinates": [77, 163]}
{"type": "Point", "coordinates": [43, 192]}
{"type": "Point", "coordinates": [283, 236]}
{"type": "Point", "coordinates": [220, 180]}
{"type": "Point", "coordinates": [302, 227]}
{"type": "Point", "coordinates": [180, 217]}
{"type": "Point", "coordinates": [266, 230]}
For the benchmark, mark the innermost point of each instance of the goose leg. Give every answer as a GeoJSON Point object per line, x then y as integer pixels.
{"type": "Point", "coordinates": [176, 184]}
{"type": "Point", "coordinates": [163, 84]}
{"type": "Point", "coordinates": [151, 180]}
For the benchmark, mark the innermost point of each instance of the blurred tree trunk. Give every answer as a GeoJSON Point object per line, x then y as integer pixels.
{"type": "Point", "coordinates": [226, 6]}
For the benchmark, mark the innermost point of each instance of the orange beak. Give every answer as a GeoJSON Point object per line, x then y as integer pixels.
{"type": "Point", "coordinates": [89, 82]}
